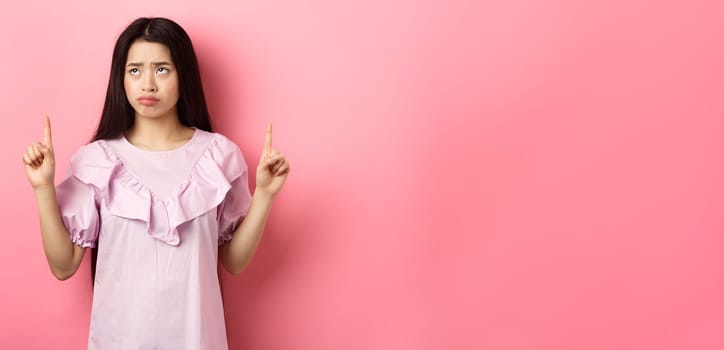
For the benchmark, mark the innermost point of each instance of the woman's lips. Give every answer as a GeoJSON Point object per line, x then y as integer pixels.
{"type": "Point", "coordinates": [147, 101]}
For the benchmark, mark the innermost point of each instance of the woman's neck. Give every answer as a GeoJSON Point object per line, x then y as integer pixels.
{"type": "Point", "coordinates": [158, 134]}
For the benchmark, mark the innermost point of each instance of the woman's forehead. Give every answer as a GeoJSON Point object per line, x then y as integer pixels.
{"type": "Point", "coordinates": [146, 52]}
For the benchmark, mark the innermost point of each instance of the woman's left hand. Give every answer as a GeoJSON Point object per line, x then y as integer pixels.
{"type": "Point", "coordinates": [273, 168]}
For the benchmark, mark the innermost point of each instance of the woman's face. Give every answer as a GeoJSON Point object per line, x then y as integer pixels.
{"type": "Point", "coordinates": [150, 80]}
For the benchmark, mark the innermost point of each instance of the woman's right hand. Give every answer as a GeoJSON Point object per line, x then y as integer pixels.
{"type": "Point", "coordinates": [40, 161]}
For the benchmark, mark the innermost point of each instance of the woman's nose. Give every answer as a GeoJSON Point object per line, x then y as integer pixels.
{"type": "Point", "coordinates": [149, 85]}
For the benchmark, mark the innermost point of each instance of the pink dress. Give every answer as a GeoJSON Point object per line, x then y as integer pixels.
{"type": "Point", "coordinates": [157, 219]}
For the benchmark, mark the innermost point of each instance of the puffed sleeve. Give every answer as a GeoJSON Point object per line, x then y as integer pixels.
{"type": "Point", "coordinates": [238, 199]}
{"type": "Point", "coordinates": [78, 202]}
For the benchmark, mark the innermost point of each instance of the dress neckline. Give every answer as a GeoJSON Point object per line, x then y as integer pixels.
{"type": "Point", "coordinates": [138, 149]}
{"type": "Point", "coordinates": [132, 180]}
{"type": "Point", "coordinates": [206, 184]}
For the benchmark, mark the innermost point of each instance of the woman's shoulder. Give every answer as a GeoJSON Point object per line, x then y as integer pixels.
{"type": "Point", "coordinates": [218, 138]}
{"type": "Point", "coordinates": [95, 152]}
{"type": "Point", "coordinates": [224, 153]}
{"type": "Point", "coordinates": [220, 146]}
{"type": "Point", "coordinates": [93, 164]}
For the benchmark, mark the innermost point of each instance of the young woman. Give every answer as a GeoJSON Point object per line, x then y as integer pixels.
{"type": "Point", "coordinates": [159, 195]}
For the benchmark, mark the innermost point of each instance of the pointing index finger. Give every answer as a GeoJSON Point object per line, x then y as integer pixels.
{"type": "Point", "coordinates": [47, 139]}
{"type": "Point", "coordinates": [268, 138]}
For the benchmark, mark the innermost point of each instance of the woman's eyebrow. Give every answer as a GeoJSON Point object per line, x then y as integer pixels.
{"type": "Point", "coordinates": [139, 64]}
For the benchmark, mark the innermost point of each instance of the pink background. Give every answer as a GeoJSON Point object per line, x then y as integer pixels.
{"type": "Point", "coordinates": [465, 174]}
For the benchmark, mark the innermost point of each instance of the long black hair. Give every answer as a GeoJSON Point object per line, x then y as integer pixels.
{"type": "Point", "coordinates": [118, 115]}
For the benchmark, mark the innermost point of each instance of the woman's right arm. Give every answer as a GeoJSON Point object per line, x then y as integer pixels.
{"type": "Point", "coordinates": [63, 256]}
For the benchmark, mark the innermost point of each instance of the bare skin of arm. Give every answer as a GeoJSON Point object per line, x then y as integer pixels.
{"type": "Point", "coordinates": [271, 173]}
{"type": "Point", "coordinates": [63, 256]}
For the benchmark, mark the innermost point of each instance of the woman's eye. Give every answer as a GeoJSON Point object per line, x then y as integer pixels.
{"type": "Point", "coordinates": [133, 71]}
{"type": "Point", "coordinates": [162, 70]}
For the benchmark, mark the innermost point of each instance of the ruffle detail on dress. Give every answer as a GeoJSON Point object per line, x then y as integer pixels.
{"type": "Point", "coordinates": [204, 189]}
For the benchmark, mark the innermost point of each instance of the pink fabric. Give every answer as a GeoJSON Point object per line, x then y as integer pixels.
{"type": "Point", "coordinates": [157, 219]}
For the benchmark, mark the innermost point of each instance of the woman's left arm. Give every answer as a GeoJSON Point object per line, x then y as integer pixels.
{"type": "Point", "coordinates": [271, 173]}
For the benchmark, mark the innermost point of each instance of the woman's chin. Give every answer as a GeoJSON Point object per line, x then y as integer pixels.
{"type": "Point", "coordinates": [150, 113]}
